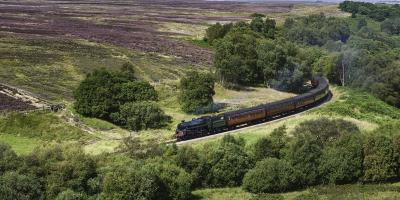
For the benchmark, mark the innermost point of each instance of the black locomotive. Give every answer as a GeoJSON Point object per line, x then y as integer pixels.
{"type": "Point", "coordinates": [208, 125]}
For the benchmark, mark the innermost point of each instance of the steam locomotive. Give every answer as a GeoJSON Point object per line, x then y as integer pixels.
{"type": "Point", "coordinates": [208, 125]}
